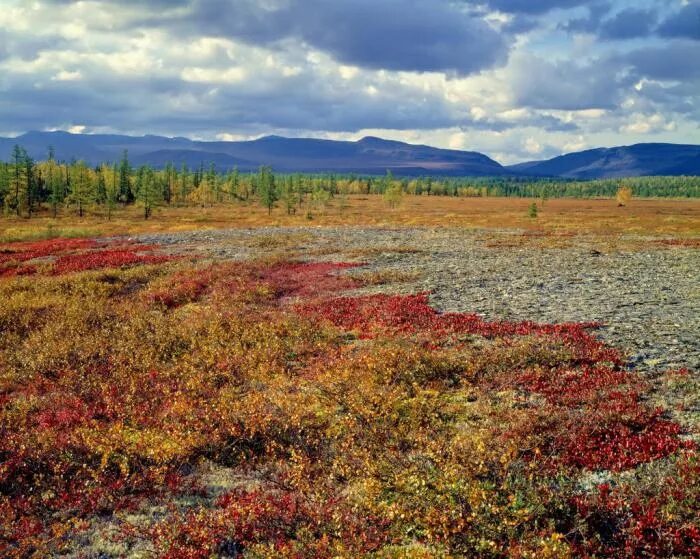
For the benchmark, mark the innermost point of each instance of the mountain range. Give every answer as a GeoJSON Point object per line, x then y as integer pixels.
{"type": "Point", "coordinates": [369, 155]}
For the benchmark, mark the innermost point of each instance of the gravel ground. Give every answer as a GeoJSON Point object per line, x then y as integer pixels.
{"type": "Point", "coordinates": [647, 296]}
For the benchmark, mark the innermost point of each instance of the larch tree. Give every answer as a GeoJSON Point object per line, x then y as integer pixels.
{"type": "Point", "coordinates": [233, 184]}
{"type": "Point", "coordinates": [267, 190]}
{"type": "Point", "coordinates": [111, 183]}
{"type": "Point", "coordinates": [54, 182]}
{"type": "Point", "coordinates": [149, 192]}
{"type": "Point", "coordinates": [183, 184]}
{"type": "Point", "coordinates": [289, 195]}
{"type": "Point", "coordinates": [623, 195]}
{"type": "Point", "coordinates": [83, 192]}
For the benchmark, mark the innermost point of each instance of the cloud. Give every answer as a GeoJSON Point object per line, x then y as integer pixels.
{"type": "Point", "coordinates": [534, 6]}
{"type": "Point", "coordinates": [563, 85]}
{"type": "Point", "coordinates": [629, 24]}
{"type": "Point", "coordinates": [397, 35]}
{"type": "Point", "coordinates": [677, 60]}
{"type": "Point", "coordinates": [684, 23]}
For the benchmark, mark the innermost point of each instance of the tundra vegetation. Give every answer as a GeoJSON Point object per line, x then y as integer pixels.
{"type": "Point", "coordinates": [159, 406]}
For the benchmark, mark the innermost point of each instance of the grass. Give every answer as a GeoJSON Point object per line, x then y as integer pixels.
{"type": "Point", "coordinates": [659, 217]}
{"type": "Point", "coordinates": [41, 232]}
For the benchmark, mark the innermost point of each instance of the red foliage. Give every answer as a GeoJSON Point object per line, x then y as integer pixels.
{"type": "Point", "coordinates": [187, 290]}
{"type": "Point", "coordinates": [74, 255]}
{"type": "Point", "coordinates": [573, 387]}
{"type": "Point", "coordinates": [104, 259]}
{"type": "Point", "coordinates": [14, 271]}
{"type": "Point", "coordinates": [66, 412]}
{"type": "Point", "coordinates": [242, 518]}
{"type": "Point", "coordinates": [306, 279]}
{"type": "Point", "coordinates": [621, 444]}
{"type": "Point", "coordinates": [287, 279]}
{"type": "Point", "coordinates": [608, 427]}
{"type": "Point", "coordinates": [629, 527]}
{"type": "Point", "coordinates": [21, 252]}
{"type": "Point", "coordinates": [373, 315]}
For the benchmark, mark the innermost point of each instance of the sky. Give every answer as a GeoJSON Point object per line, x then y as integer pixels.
{"type": "Point", "coordinates": [515, 79]}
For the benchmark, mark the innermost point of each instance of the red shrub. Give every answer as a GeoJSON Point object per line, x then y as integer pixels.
{"type": "Point", "coordinates": [22, 252]}
{"type": "Point", "coordinates": [104, 259]}
{"type": "Point", "coordinates": [620, 445]}
{"type": "Point", "coordinates": [304, 279]}
{"type": "Point", "coordinates": [14, 271]}
{"type": "Point", "coordinates": [629, 527]}
{"type": "Point", "coordinates": [409, 314]}
{"type": "Point", "coordinates": [242, 518]}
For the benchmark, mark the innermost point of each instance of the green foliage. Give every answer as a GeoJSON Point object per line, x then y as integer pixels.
{"type": "Point", "coordinates": [532, 210]}
{"type": "Point", "coordinates": [289, 195]}
{"type": "Point", "coordinates": [148, 192]}
{"type": "Point", "coordinates": [267, 188]}
{"type": "Point", "coordinates": [126, 195]}
{"type": "Point", "coordinates": [83, 187]}
{"type": "Point", "coordinates": [392, 191]}
{"type": "Point", "coordinates": [26, 185]}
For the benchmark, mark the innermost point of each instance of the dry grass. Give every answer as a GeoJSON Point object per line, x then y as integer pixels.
{"type": "Point", "coordinates": [385, 277]}
{"type": "Point", "coordinates": [602, 217]}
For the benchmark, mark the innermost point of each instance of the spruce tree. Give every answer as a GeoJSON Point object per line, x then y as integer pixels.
{"type": "Point", "coordinates": [18, 180]}
{"type": "Point", "coordinates": [126, 194]}
{"type": "Point", "coordinates": [267, 190]}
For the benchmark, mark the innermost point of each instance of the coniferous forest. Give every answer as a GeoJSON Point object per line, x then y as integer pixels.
{"type": "Point", "coordinates": [28, 186]}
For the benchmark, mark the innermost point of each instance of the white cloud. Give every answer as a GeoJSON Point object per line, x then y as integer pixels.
{"type": "Point", "coordinates": [532, 146]}
{"type": "Point", "coordinates": [213, 75]}
{"type": "Point", "coordinates": [645, 124]}
{"type": "Point", "coordinates": [67, 76]}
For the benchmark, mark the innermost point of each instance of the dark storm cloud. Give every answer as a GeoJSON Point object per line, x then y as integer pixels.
{"type": "Point", "coordinates": [408, 35]}
{"type": "Point", "coordinates": [685, 23]}
{"type": "Point", "coordinates": [534, 6]}
{"type": "Point", "coordinates": [677, 98]}
{"type": "Point", "coordinates": [405, 35]}
{"type": "Point", "coordinates": [677, 60]}
{"type": "Point", "coordinates": [301, 102]}
{"type": "Point", "coordinates": [629, 24]}
{"type": "Point", "coordinates": [591, 22]}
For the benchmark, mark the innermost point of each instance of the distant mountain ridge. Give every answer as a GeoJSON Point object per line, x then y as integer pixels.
{"type": "Point", "coordinates": [366, 156]}
{"type": "Point", "coordinates": [623, 161]}
{"type": "Point", "coordinates": [369, 155]}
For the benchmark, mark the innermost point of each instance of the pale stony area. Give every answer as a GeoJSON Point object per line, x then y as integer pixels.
{"type": "Point", "coordinates": [646, 295]}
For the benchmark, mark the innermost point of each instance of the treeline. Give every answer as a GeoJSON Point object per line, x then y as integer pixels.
{"type": "Point", "coordinates": [27, 186]}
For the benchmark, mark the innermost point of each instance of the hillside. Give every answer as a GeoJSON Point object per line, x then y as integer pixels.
{"type": "Point", "coordinates": [366, 156]}
{"type": "Point", "coordinates": [624, 161]}
{"type": "Point", "coordinates": [370, 155]}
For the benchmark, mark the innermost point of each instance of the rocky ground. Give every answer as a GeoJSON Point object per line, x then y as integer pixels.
{"type": "Point", "coordinates": [647, 294]}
